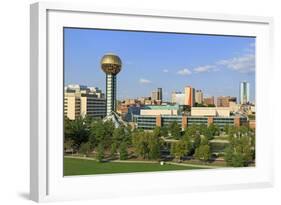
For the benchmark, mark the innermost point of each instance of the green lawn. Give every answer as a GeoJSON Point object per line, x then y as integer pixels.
{"type": "Point", "coordinates": [88, 167]}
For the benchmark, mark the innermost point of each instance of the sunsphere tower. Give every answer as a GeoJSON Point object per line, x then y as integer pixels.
{"type": "Point", "coordinates": [111, 64]}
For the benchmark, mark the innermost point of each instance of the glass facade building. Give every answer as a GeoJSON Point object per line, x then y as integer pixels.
{"type": "Point", "coordinates": [244, 92]}
{"type": "Point", "coordinates": [150, 122]}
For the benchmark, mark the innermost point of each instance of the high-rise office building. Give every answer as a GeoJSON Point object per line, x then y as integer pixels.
{"type": "Point", "coordinates": [189, 96]}
{"type": "Point", "coordinates": [81, 101]}
{"type": "Point", "coordinates": [159, 94]}
{"type": "Point", "coordinates": [244, 92]}
{"type": "Point", "coordinates": [156, 95]}
{"type": "Point", "coordinates": [199, 96]}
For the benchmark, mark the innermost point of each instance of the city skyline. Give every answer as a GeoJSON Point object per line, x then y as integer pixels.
{"type": "Point", "coordinates": [226, 62]}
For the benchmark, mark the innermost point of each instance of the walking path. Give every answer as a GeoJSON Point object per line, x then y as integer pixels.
{"type": "Point", "coordinates": [149, 162]}
{"type": "Point", "coordinates": [194, 165]}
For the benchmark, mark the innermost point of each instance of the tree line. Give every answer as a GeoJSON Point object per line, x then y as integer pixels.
{"type": "Point", "coordinates": [85, 135]}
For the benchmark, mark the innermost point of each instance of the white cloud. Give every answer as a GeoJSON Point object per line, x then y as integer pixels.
{"type": "Point", "coordinates": [184, 71]}
{"type": "Point", "coordinates": [215, 69]}
{"type": "Point", "coordinates": [203, 69]}
{"type": "Point", "coordinates": [144, 81]}
{"type": "Point", "coordinates": [165, 70]}
{"type": "Point", "coordinates": [242, 64]}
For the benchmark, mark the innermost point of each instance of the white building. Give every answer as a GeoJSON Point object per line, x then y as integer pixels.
{"type": "Point", "coordinates": [178, 98]}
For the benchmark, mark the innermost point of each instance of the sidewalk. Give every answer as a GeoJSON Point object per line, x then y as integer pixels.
{"type": "Point", "coordinates": [149, 162]}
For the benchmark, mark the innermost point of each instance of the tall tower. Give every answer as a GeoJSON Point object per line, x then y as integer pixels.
{"type": "Point", "coordinates": [111, 64]}
{"type": "Point", "coordinates": [244, 92]}
{"type": "Point", "coordinates": [189, 96]}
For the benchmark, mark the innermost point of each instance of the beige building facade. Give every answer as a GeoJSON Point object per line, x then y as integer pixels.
{"type": "Point", "coordinates": [189, 95]}
{"type": "Point", "coordinates": [210, 111]}
{"type": "Point", "coordinates": [199, 96]}
{"type": "Point", "coordinates": [82, 101]}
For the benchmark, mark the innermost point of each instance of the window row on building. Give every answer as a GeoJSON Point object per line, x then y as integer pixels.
{"type": "Point", "coordinates": [150, 122]}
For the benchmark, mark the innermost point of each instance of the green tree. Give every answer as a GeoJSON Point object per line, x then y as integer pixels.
{"type": "Point", "coordinates": [118, 136]}
{"type": "Point", "coordinates": [76, 130]}
{"type": "Point", "coordinates": [204, 141]}
{"type": "Point", "coordinates": [68, 145]}
{"type": "Point", "coordinates": [157, 131]}
{"type": "Point", "coordinates": [113, 149]}
{"type": "Point", "coordinates": [243, 130]}
{"type": "Point", "coordinates": [239, 152]}
{"type": "Point", "coordinates": [192, 131]}
{"type": "Point", "coordinates": [100, 152]}
{"type": "Point", "coordinates": [109, 129]}
{"type": "Point", "coordinates": [179, 149]}
{"type": "Point", "coordinates": [188, 144]}
{"type": "Point", "coordinates": [226, 129]}
{"type": "Point", "coordinates": [204, 130]}
{"type": "Point", "coordinates": [123, 151]}
{"type": "Point", "coordinates": [128, 135]}
{"type": "Point", "coordinates": [140, 143]}
{"type": "Point", "coordinates": [203, 152]}
{"type": "Point", "coordinates": [238, 160]}
{"type": "Point", "coordinates": [85, 148]}
{"type": "Point", "coordinates": [153, 147]}
{"type": "Point", "coordinates": [146, 145]}
{"type": "Point", "coordinates": [164, 131]}
{"type": "Point", "coordinates": [101, 132]}
{"type": "Point", "coordinates": [97, 133]}
{"type": "Point", "coordinates": [196, 142]}
{"type": "Point", "coordinates": [214, 129]}
{"type": "Point", "coordinates": [175, 130]}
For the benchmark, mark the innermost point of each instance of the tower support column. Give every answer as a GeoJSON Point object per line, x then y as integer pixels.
{"type": "Point", "coordinates": [110, 93]}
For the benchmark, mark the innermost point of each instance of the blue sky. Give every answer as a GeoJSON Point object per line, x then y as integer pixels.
{"type": "Point", "coordinates": [214, 64]}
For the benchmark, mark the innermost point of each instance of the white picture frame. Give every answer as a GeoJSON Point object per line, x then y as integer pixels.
{"type": "Point", "coordinates": [46, 103]}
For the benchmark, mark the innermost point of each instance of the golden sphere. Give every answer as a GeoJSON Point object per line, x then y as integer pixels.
{"type": "Point", "coordinates": [111, 64]}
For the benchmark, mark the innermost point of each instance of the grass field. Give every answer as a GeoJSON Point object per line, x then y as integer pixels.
{"type": "Point", "coordinates": [88, 167]}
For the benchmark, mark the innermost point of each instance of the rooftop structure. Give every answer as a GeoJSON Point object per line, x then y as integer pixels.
{"type": "Point", "coordinates": [210, 111]}
{"type": "Point", "coordinates": [159, 110]}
